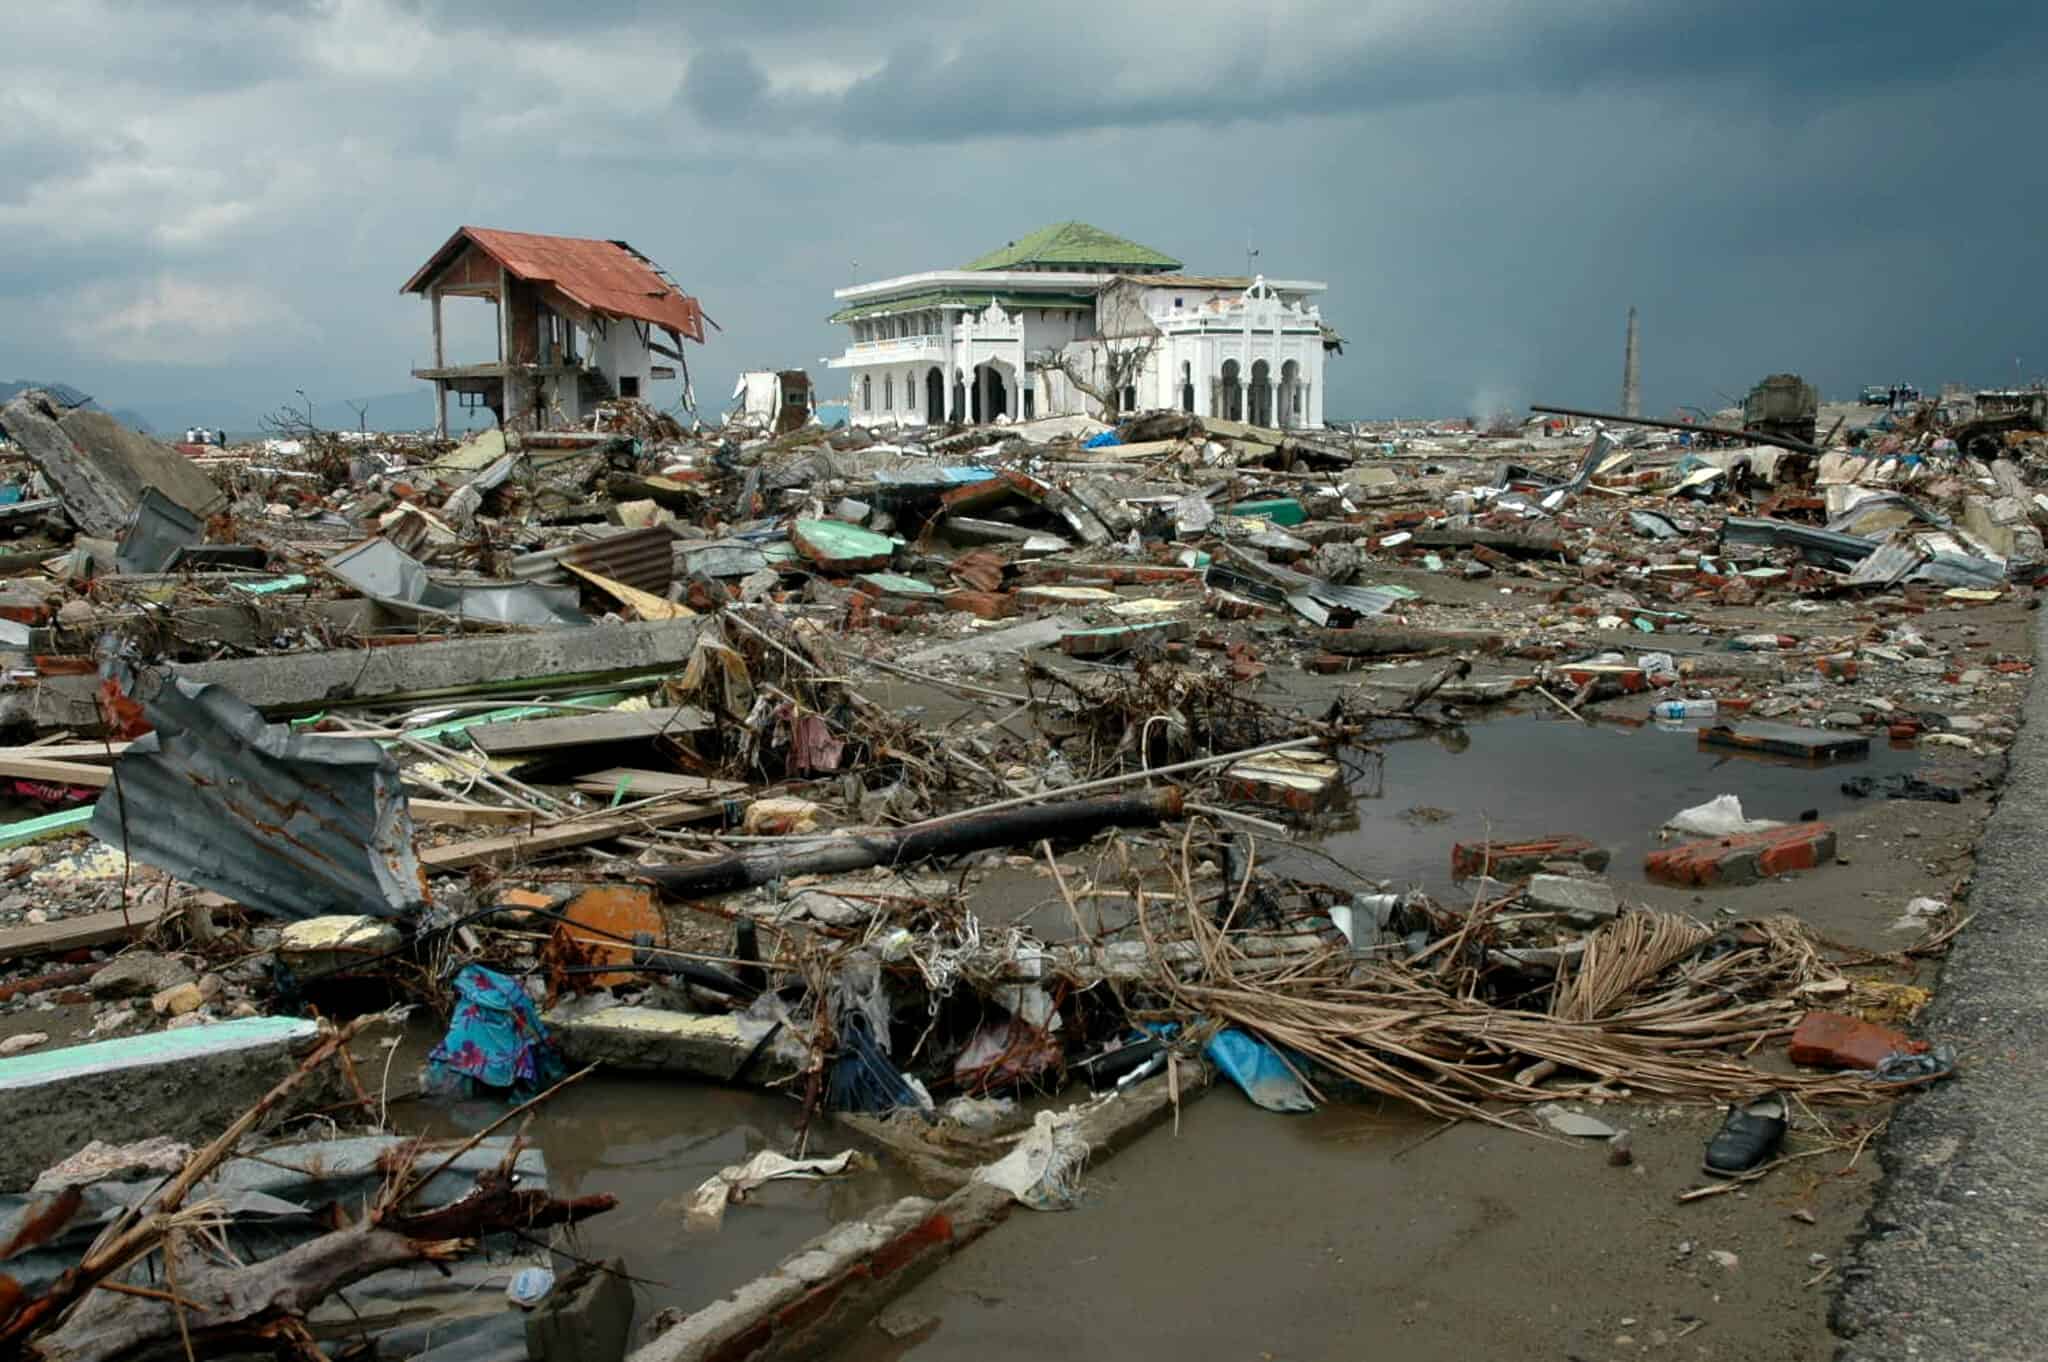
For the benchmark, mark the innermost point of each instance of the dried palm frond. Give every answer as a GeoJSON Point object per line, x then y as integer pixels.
{"type": "Point", "coordinates": [1399, 1031]}
{"type": "Point", "coordinates": [1620, 958]}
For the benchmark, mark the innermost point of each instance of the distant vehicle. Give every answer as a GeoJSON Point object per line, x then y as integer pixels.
{"type": "Point", "coordinates": [1876, 395]}
{"type": "Point", "coordinates": [1782, 404]}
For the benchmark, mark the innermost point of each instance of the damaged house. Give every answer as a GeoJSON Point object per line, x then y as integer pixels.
{"type": "Point", "coordinates": [580, 321]}
{"type": "Point", "coordinates": [1073, 319]}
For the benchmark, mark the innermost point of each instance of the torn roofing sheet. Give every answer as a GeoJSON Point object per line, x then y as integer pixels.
{"type": "Point", "coordinates": [290, 825]}
{"type": "Point", "coordinates": [394, 578]}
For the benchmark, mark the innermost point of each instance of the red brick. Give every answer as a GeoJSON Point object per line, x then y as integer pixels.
{"type": "Point", "coordinates": [1830, 1040]}
{"type": "Point", "coordinates": [1631, 679]}
{"type": "Point", "coordinates": [1327, 664]}
{"type": "Point", "coordinates": [988, 605]}
{"type": "Point", "coordinates": [742, 1346]}
{"type": "Point", "coordinates": [1523, 858]}
{"type": "Point", "coordinates": [934, 1232]}
{"type": "Point", "coordinates": [816, 1303]}
{"type": "Point", "coordinates": [1226, 606]}
{"type": "Point", "coordinates": [1744, 859]}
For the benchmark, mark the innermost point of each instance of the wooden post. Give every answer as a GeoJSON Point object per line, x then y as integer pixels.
{"type": "Point", "coordinates": [440, 361]}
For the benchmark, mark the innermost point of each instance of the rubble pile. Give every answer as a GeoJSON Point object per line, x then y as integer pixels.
{"type": "Point", "coordinates": [915, 771]}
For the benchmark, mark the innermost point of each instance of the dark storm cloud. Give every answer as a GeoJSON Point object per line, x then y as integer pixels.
{"type": "Point", "coordinates": [1846, 191]}
{"type": "Point", "coordinates": [1795, 56]}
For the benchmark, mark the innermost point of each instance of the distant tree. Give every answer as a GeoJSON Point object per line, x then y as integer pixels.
{"type": "Point", "coordinates": [1107, 365]}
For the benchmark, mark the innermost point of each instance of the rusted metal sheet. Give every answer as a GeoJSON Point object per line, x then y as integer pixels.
{"type": "Point", "coordinates": [602, 924]}
{"type": "Point", "coordinates": [290, 825]}
{"type": "Point", "coordinates": [643, 558]}
{"type": "Point", "coordinates": [609, 278]}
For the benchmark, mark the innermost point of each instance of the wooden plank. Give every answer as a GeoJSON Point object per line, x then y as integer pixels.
{"type": "Point", "coordinates": [519, 846]}
{"type": "Point", "coordinates": [583, 730]}
{"type": "Point", "coordinates": [641, 784]}
{"type": "Point", "coordinates": [63, 751]}
{"type": "Point", "coordinates": [56, 772]}
{"type": "Point", "coordinates": [79, 933]}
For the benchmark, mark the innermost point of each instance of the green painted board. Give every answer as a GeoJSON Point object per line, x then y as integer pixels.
{"type": "Point", "coordinates": [153, 1048]}
{"type": "Point", "coordinates": [896, 584]}
{"type": "Point", "coordinates": [291, 583]}
{"type": "Point", "coordinates": [49, 825]}
{"type": "Point", "coordinates": [837, 541]}
{"type": "Point", "coordinates": [1279, 510]}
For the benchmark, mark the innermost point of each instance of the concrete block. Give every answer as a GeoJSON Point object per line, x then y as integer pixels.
{"type": "Point", "coordinates": [584, 1321]}
{"type": "Point", "coordinates": [728, 1330]}
{"type": "Point", "coordinates": [139, 974]}
{"type": "Point", "coordinates": [326, 945]}
{"type": "Point", "coordinates": [1585, 902]}
{"type": "Point", "coordinates": [677, 1042]}
{"type": "Point", "coordinates": [1744, 859]}
{"type": "Point", "coordinates": [120, 1091]}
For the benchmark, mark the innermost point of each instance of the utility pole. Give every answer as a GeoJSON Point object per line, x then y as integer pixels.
{"type": "Point", "coordinates": [1631, 374]}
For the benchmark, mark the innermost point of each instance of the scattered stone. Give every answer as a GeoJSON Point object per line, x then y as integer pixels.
{"type": "Point", "coordinates": [139, 974]}
{"type": "Point", "coordinates": [186, 997]}
{"type": "Point", "coordinates": [1575, 1123]}
{"type": "Point", "coordinates": [27, 1040]}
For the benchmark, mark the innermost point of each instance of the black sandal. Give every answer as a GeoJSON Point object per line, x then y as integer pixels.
{"type": "Point", "coordinates": [1750, 1135]}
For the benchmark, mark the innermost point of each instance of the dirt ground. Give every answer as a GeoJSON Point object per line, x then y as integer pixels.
{"type": "Point", "coordinates": [1361, 1231]}
{"type": "Point", "coordinates": [1365, 1231]}
{"type": "Point", "coordinates": [1358, 1233]}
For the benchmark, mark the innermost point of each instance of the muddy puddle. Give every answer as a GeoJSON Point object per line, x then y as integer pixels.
{"type": "Point", "coordinates": [650, 1141]}
{"type": "Point", "coordinates": [1530, 775]}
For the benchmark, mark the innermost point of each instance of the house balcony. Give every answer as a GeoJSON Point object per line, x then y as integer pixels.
{"type": "Point", "coordinates": [895, 350]}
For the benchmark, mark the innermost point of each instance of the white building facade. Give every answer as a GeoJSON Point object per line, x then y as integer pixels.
{"type": "Point", "coordinates": [1074, 320]}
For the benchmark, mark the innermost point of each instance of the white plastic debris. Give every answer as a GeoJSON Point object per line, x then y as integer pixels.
{"type": "Point", "coordinates": [1720, 816]}
{"type": "Point", "coordinates": [1044, 1171]}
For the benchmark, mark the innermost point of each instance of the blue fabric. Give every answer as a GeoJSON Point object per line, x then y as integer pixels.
{"type": "Point", "coordinates": [1258, 1068]}
{"type": "Point", "coordinates": [495, 1038]}
{"type": "Point", "coordinates": [1102, 441]}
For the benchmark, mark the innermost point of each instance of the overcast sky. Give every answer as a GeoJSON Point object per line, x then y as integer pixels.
{"type": "Point", "coordinates": [210, 204]}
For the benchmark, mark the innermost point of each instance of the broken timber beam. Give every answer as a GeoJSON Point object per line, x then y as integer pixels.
{"type": "Point", "coordinates": [955, 836]}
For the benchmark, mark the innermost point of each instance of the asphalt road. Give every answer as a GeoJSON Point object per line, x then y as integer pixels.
{"type": "Point", "coordinates": [1955, 1262]}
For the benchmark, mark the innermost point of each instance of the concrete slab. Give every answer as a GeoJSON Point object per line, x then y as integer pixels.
{"type": "Point", "coordinates": [124, 1090]}
{"type": "Point", "coordinates": [654, 1039]}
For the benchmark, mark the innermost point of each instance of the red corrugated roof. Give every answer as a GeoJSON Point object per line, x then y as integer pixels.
{"type": "Point", "coordinates": [606, 277]}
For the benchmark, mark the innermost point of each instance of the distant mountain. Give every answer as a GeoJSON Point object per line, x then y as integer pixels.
{"type": "Point", "coordinates": [71, 397]}
{"type": "Point", "coordinates": [401, 411]}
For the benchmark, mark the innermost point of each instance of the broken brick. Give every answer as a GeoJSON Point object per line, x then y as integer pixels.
{"type": "Point", "coordinates": [1745, 858]}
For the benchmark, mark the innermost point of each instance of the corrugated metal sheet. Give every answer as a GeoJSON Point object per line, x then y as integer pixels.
{"type": "Point", "coordinates": [643, 558]}
{"type": "Point", "coordinates": [395, 579]}
{"type": "Point", "coordinates": [161, 530]}
{"type": "Point", "coordinates": [606, 277]}
{"type": "Point", "coordinates": [292, 825]}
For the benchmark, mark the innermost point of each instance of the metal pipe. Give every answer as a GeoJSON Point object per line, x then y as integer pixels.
{"type": "Point", "coordinates": [1760, 437]}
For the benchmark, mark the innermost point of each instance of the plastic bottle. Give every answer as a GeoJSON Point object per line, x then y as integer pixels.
{"type": "Point", "coordinates": [1684, 709]}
